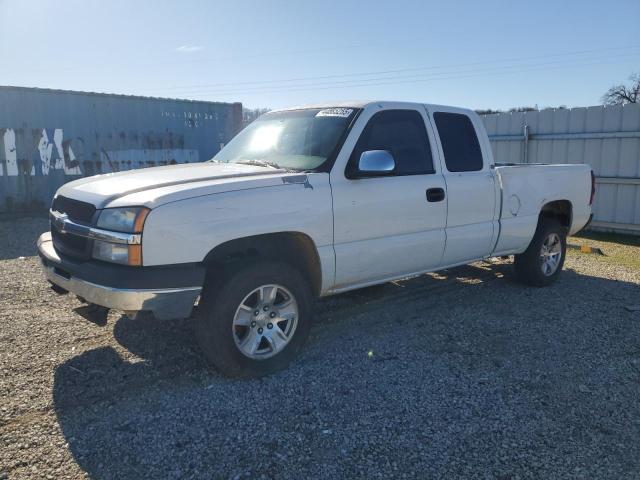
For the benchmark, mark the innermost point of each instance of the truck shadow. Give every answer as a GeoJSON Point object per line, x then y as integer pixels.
{"type": "Point", "coordinates": [122, 414]}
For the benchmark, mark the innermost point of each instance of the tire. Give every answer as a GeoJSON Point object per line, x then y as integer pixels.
{"type": "Point", "coordinates": [225, 326]}
{"type": "Point", "coordinates": [530, 266]}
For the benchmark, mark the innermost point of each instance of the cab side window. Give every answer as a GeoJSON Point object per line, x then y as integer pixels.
{"type": "Point", "coordinates": [403, 134]}
{"type": "Point", "coordinates": [459, 142]}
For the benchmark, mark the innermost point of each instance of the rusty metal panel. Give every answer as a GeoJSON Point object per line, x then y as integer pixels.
{"type": "Point", "coordinates": [607, 138]}
{"type": "Point", "coordinates": [49, 137]}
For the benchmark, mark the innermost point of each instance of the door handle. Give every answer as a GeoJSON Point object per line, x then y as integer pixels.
{"type": "Point", "coordinates": [435, 194]}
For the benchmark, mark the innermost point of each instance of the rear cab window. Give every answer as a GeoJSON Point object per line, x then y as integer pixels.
{"type": "Point", "coordinates": [459, 141]}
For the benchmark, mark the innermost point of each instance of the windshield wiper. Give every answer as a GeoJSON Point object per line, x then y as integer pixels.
{"type": "Point", "coordinates": [265, 163]}
{"type": "Point", "coordinates": [259, 163]}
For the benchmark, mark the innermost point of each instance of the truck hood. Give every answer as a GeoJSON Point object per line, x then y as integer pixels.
{"type": "Point", "coordinates": [157, 185]}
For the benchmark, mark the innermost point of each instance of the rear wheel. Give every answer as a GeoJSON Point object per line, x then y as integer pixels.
{"type": "Point", "coordinates": [541, 264]}
{"type": "Point", "coordinates": [255, 320]}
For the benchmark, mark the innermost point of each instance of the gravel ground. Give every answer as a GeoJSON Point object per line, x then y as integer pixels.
{"type": "Point", "coordinates": [462, 374]}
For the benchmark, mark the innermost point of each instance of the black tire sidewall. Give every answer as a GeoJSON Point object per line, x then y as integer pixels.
{"type": "Point", "coordinates": [529, 265]}
{"type": "Point", "coordinates": [218, 308]}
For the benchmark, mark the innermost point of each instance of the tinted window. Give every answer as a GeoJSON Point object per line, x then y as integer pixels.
{"type": "Point", "coordinates": [400, 132]}
{"type": "Point", "coordinates": [459, 142]}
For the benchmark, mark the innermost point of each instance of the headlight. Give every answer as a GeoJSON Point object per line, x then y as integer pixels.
{"type": "Point", "coordinates": [126, 220]}
{"type": "Point", "coordinates": [116, 252]}
{"type": "Point", "coordinates": [129, 219]}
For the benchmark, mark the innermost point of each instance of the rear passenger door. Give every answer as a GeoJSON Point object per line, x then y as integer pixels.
{"type": "Point", "coordinates": [471, 187]}
{"type": "Point", "coordinates": [388, 225]}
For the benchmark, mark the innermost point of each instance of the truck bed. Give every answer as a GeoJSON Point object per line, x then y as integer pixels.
{"type": "Point", "coordinates": [526, 187]}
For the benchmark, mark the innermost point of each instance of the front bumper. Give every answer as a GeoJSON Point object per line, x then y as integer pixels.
{"type": "Point", "coordinates": [125, 288]}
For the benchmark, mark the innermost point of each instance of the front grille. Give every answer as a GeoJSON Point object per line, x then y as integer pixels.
{"type": "Point", "coordinates": [67, 243]}
{"type": "Point", "coordinates": [76, 210]}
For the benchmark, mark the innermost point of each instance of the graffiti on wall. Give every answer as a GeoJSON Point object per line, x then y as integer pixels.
{"type": "Point", "coordinates": [10, 157]}
{"type": "Point", "coordinates": [54, 153]}
{"type": "Point", "coordinates": [44, 151]}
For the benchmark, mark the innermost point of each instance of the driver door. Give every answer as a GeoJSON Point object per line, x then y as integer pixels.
{"type": "Point", "coordinates": [394, 224]}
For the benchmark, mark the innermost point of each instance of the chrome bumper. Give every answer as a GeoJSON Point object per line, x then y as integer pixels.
{"type": "Point", "coordinates": [167, 303]}
{"type": "Point", "coordinates": [62, 223]}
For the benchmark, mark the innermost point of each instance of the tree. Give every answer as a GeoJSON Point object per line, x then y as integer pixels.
{"type": "Point", "coordinates": [523, 109]}
{"type": "Point", "coordinates": [623, 94]}
{"type": "Point", "coordinates": [487, 111]}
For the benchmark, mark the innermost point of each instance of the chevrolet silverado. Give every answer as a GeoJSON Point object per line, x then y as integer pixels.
{"type": "Point", "coordinates": [303, 203]}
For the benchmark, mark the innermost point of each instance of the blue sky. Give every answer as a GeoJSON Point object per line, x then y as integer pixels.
{"type": "Point", "coordinates": [479, 54]}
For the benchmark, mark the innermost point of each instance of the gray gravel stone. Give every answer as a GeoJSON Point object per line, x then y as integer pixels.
{"type": "Point", "coordinates": [464, 374]}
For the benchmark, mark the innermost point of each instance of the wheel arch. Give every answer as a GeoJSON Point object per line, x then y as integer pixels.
{"type": "Point", "coordinates": [560, 210]}
{"type": "Point", "coordinates": [294, 248]}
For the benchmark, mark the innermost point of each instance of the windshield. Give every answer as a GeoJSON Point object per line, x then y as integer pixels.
{"type": "Point", "coordinates": [295, 139]}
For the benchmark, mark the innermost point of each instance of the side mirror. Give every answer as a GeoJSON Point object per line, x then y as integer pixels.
{"type": "Point", "coordinates": [376, 162]}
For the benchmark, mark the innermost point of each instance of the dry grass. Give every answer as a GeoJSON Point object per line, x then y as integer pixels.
{"type": "Point", "coordinates": [618, 249]}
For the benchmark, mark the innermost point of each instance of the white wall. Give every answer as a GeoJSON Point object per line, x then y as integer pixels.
{"type": "Point", "coordinates": [607, 138]}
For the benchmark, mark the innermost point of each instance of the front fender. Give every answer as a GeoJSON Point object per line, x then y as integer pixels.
{"type": "Point", "coordinates": [186, 230]}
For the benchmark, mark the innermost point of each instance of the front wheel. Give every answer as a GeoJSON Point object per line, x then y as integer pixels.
{"type": "Point", "coordinates": [255, 320]}
{"type": "Point", "coordinates": [541, 264]}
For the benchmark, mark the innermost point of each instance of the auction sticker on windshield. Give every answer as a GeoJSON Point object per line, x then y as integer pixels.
{"type": "Point", "coordinates": [335, 112]}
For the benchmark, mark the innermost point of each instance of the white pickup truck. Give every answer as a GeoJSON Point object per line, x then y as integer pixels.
{"type": "Point", "coordinates": [303, 203]}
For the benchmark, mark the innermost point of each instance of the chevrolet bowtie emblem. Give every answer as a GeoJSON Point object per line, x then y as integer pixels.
{"type": "Point", "coordinates": [60, 222]}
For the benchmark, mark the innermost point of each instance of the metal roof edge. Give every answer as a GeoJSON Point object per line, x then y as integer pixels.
{"type": "Point", "coordinates": [115, 95]}
{"type": "Point", "coordinates": [556, 109]}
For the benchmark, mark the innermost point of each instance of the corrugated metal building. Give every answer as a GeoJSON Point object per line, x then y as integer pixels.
{"type": "Point", "coordinates": [49, 137]}
{"type": "Point", "coordinates": [605, 137]}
